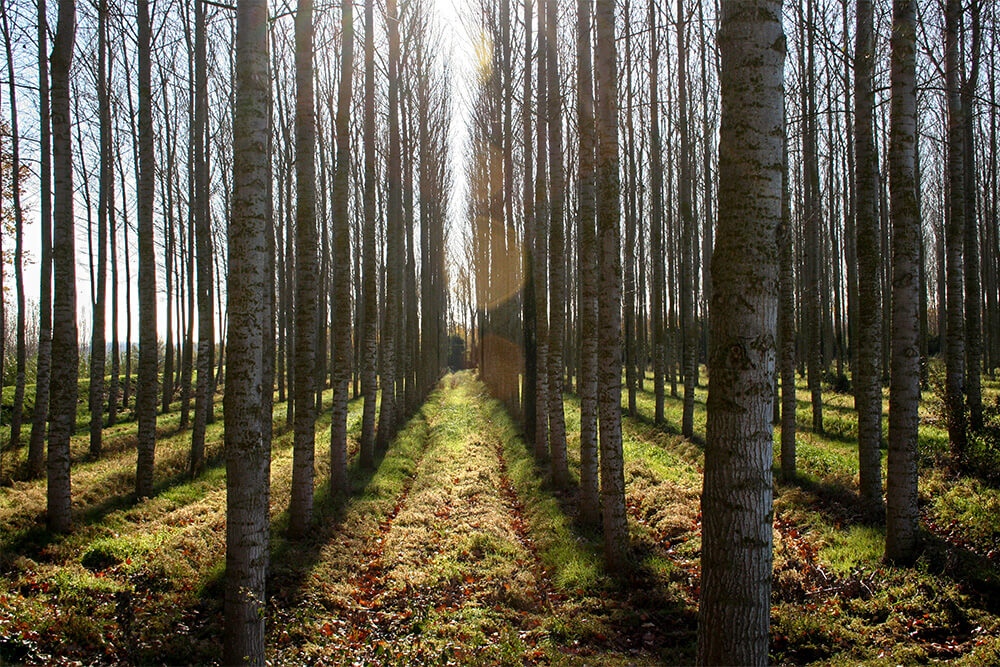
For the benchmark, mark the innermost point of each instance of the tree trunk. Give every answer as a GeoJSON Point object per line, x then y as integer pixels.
{"type": "Point", "coordinates": [369, 386]}
{"type": "Point", "coordinates": [410, 340]}
{"type": "Point", "coordinates": [609, 379]}
{"type": "Point", "coordinates": [303, 466]}
{"type": "Point", "coordinates": [812, 213]}
{"type": "Point", "coordinates": [867, 375]}
{"type": "Point", "coordinates": [628, 278]}
{"type": "Point", "coordinates": [656, 218]}
{"type": "Point", "coordinates": [557, 251]}
{"type": "Point", "coordinates": [43, 363]}
{"type": "Point", "coordinates": [786, 317]}
{"type": "Point", "coordinates": [146, 387]}
{"type": "Point", "coordinates": [247, 453]}
{"type": "Point", "coordinates": [541, 269]}
{"type": "Point", "coordinates": [529, 317]}
{"type": "Point", "coordinates": [689, 280]}
{"type": "Point", "coordinates": [127, 385]}
{"type": "Point", "coordinates": [708, 217]}
{"type": "Point", "coordinates": [65, 354]}
{"type": "Point", "coordinates": [902, 516]}
{"type": "Point", "coordinates": [735, 604]}
{"type": "Point", "coordinates": [850, 207]}
{"type": "Point", "coordinates": [168, 253]}
{"type": "Point", "coordinates": [341, 297]}
{"type": "Point", "coordinates": [115, 344]}
{"type": "Point", "coordinates": [203, 242]}
{"type": "Point", "coordinates": [97, 340]}
{"type": "Point", "coordinates": [18, 409]}
{"type": "Point", "coordinates": [387, 418]}
{"type": "Point", "coordinates": [973, 284]}
{"type": "Point", "coordinates": [955, 238]}
{"type": "Point", "coordinates": [589, 511]}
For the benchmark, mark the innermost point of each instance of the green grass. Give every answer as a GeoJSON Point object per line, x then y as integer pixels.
{"type": "Point", "coordinates": [835, 601]}
{"type": "Point", "coordinates": [456, 547]}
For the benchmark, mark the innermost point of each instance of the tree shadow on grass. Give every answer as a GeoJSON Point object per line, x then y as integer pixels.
{"type": "Point", "coordinates": [644, 615]}
{"type": "Point", "coordinates": [978, 575]}
{"type": "Point", "coordinates": [648, 599]}
{"type": "Point", "coordinates": [667, 427]}
{"type": "Point", "coordinates": [836, 503]}
{"type": "Point", "coordinates": [33, 541]}
{"type": "Point", "coordinates": [291, 560]}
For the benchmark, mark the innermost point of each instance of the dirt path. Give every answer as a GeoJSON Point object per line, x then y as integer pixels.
{"type": "Point", "coordinates": [447, 571]}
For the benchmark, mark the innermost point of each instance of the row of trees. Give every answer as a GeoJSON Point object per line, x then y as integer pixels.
{"type": "Point", "coordinates": [192, 121]}
{"type": "Point", "coordinates": [833, 198]}
{"type": "Point", "coordinates": [410, 343]}
{"type": "Point", "coordinates": [766, 229]}
{"type": "Point", "coordinates": [206, 165]}
{"type": "Point", "coordinates": [519, 247]}
{"type": "Point", "coordinates": [838, 111]}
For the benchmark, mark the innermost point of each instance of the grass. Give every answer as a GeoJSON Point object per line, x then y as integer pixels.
{"type": "Point", "coordinates": [834, 600]}
{"type": "Point", "coordinates": [457, 548]}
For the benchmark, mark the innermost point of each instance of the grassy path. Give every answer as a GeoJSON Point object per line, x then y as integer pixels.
{"type": "Point", "coordinates": [453, 549]}
{"type": "Point", "coordinates": [435, 562]}
{"type": "Point", "coordinates": [456, 549]}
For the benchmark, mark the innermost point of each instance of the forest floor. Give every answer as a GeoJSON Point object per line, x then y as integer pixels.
{"type": "Point", "coordinates": [455, 549]}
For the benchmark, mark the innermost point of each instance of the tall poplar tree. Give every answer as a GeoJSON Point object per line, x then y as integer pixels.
{"type": "Point", "coordinates": [341, 297]}
{"type": "Point", "coordinates": [146, 385]}
{"type": "Point", "coordinates": [867, 375]}
{"type": "Point", "coordinates": [735, 603]}
{"type": "Point", "coordinates": [609, 300]}
{"type": "Point", "coordinates": [303, 465]}
{"type": "Point", "coordinates": [247, 436]}
{"type": "Point", "coordinates": [902, 515]}
{"type": "Point", "coordinates": [587, 262]}
{"type": "Point", "coordinates": [65, 353]}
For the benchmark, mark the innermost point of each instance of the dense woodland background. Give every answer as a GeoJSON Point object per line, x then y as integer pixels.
{"type": "Point", "coordinates": [726, 273]}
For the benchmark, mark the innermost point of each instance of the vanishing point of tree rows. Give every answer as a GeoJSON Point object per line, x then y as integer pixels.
{"type": "Point", "coordinates": [758, 188]}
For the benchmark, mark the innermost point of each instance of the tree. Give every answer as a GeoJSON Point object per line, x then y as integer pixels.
{"type": "Point", "coordinates": [97, 341]}
{"type": "Point", "coordinates": [631, 222]}
{"type": "Point", "coordinates": [341, 296]}
{"type": "Point", "coordinates": [43, 363]}
{"type": "Point", "coordinates": [735, 603]}
{"type": "Point", "coordinates": [689, 280]}
{"type": "Point", "coordinates": [247, 445]}
{"type": "Point", "coordinates": [656, 218]}
{"type": "Point", "coordinates": [65, 354]}
{"type": "Point", "coordinates": [786, 318]}
{"type": "Point", "coordinates": [812, 220]}
{"type": "Point", "coordinates": [955, 238]}
{"type": "Point", "coordinates": [369, 349]}
{"type": "Point", "coordinates": [16, 178]}
{"type": "Point", "coordinates": [387, 417]}
{"type": "Point", "coordinates": [587, 253]}
{"type": "Point", "coordinates": [902, 515]}
{"type": "Point", "coordinates": [146, 387]}
{"type": "Point", "coordinates": [541, 268]}
{"type": "Point", "coordinates": [557, 257]}
{"type": "Point", "coordinates": [867, 375]}
{"type": "Point", "coordinates": [529, 318]}
{"type": "Point", "coordinates": [303, 466]}
{"type": "Point", "coordinates": [609, 377]}
{"type": "Point", "coordinates": [973, 276]}
{"type": "Point", "coordinates": [203, 247]}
